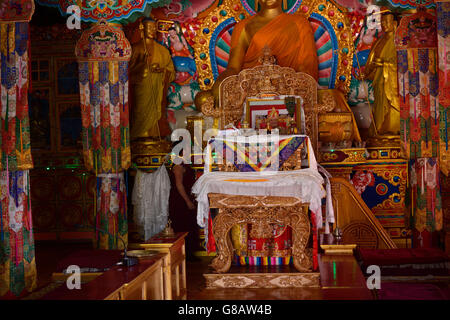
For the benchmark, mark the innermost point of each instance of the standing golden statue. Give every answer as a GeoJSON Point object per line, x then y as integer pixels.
{"type": "Point", "coordinates": [289, 36]}
{"type": "Point", "coordinates": [151, 71]}
{"type": "Point", "coordinates": [381, 67]}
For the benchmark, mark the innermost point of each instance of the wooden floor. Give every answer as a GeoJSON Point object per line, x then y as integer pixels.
{"type": "Point", "coordinates": [341, 278]}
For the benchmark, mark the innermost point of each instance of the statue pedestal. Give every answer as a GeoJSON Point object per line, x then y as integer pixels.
{"type": "Point", "coordinates": [149, 153]}
{"type": "Point", "coordinates": [340, 162]}
{"type": "Point", "coordinates": [262, 277]}
{"type": "Point", "coordinates": [384, 141]}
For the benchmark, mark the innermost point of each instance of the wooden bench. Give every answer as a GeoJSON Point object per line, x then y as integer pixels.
{"type": "Point", "coordinates": [175, 266]}
{"type": "Point", "coordinates": [144, 281]}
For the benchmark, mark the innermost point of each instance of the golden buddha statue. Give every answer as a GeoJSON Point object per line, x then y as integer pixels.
{"type": "Point", "coordinates": [290, 39]}
{"type": "Point", "coordinates": [381, 67]}
{"type": "Point", "coordinates": [151, 71]}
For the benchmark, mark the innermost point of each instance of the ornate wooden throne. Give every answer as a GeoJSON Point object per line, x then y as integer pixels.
{"type": "Point", "coordinates": [261, 211]}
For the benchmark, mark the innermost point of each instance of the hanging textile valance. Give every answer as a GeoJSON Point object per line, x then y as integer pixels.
{"type": "Point", "coordinates": [103, 53]}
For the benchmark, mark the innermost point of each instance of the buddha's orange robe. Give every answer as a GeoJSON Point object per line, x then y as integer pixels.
{"type": "Point", "coordinates": [290, 38]}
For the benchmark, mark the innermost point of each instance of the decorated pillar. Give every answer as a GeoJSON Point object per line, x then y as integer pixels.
{"type": "Point", "coordinates": [443, 36]}
{"type": "Point", "coordinates": [420, 122]}
{"type": "Point", "coordinates": [17, 254]}
{"type": "Point", "coordinates": [103, 53]}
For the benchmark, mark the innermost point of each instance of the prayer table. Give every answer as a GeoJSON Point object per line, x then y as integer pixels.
{"type": "Point", "coordinates": [261, 198]}
{"type": "Point", "coordinates": [144, 281]}
{"type": "Point", "coordinates": [175, 265]}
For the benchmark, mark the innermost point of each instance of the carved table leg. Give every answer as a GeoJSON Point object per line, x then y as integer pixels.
{"type": "Point", "coordinates": [222, 226]}
{"type": "Point", "coordinates": [262, 216]}
{"type": "Point", "coordinates": [299, 223]}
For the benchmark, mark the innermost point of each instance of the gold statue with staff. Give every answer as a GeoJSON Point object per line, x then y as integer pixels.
{"type": "Point", "coordinates": [381, 68]}
{"type": "Point", "coordinates": [151, 71]}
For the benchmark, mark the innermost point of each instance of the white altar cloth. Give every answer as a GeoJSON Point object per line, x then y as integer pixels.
{"type": "Point", "coordinates": [305, 184]}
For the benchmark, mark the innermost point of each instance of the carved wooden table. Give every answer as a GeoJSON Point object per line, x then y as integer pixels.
{"type": "Point", "coordinates": [260, 211]}
{"type": "Point", "coordinates": [175, 265]}
{"type": "Point", "coordinates": [143, 281]}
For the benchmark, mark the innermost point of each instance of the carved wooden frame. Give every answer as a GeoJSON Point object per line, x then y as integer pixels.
{"type": "Point", "coordinates": [260, 211]}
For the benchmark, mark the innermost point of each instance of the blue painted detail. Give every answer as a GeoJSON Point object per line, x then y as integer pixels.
{"type": "Point", "coordinates": [221, 62]}
{"type": "Point", "coordinates": [249, 7]}
{"type": "Point", "coordinates": [361, 57]}
{"type": "Point", "coordinates": [185, 64]}
{"type": "Point", "coordinates": [155, 160]}
{"type": "Point", "coordinates": [241, 16]}
{"type": "Point", "coordinates": [384, 153]}
{"type": "Point", "coordinates": [407, 6]}
{"type": "Point", "coordinates": [212, 44]}
{"type": "Point", "coordinates": [340, 25]}
{"type": "Point", "coordinates": [334, 42]}
{"type": "Point", "coordinates": [319, 32]}
{"type": "Point", "coordinates": [132, 16]}
{"type": "Point", "coordinates": [370, 196]}
{"type": "Point", "coordinates": [325, 64]}
{"type": "Point", "coordinates": [206, 31]}
{"type": "Point", "coordinates": [342, 78]}
{"type": "Point", "coordinates": [206, 81]}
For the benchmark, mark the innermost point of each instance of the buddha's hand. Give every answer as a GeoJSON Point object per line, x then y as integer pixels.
{"type": "Point", "coordinates": [204, 102]}
{"type": "Point", "coordinates": [378, 62]}
{"type": "Point", "coordinates": [155, 68]}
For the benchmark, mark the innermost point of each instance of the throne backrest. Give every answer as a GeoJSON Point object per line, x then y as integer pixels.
{"type": "Point", "coordinates": [267, 79]}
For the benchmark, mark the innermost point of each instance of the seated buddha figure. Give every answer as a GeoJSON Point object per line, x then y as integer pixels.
{"type": "Point", "coordinates": [290, 39]}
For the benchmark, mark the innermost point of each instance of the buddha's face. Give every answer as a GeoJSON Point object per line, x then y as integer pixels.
{"type": "Point", "coordinates": [387, 22]}
{"type": "Point", "coordinates": [149, 30]}
{"type": "Point", "coordinates": [270, 3]}
{"type": "Point", "coordinates": [172, 33]}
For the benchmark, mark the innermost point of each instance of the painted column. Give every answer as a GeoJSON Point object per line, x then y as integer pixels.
{"type": "Point", "coordinates": [17, 254]}
{"type": "Point", "coordinates": [443, 38]}
{"type": "Point", "coordinates": [416, 43]}
{"type": "Point", "coordinates": [103, 53]}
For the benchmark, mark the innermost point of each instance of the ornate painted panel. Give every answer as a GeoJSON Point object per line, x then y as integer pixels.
{"type": "Point", "coordinates": [382, 186]}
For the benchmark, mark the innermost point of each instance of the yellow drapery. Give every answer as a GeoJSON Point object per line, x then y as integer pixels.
{"type": "Point", "coordinates": [149, 89]}
{"type": "Point", "coordinates": [382, 68]}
